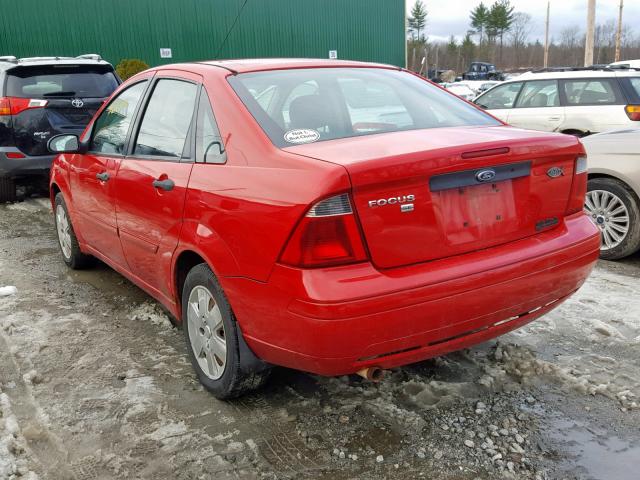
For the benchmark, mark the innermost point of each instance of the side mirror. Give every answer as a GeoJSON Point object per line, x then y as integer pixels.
{"type": "Point", "coordinates": [64, 144]}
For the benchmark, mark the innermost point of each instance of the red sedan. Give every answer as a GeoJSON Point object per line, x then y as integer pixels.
{"type": "Point", "coordinates": [328, 216]}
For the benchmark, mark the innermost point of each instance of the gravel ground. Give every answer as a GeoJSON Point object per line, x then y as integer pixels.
{"type": "Point", "coordinates": [95, 384]}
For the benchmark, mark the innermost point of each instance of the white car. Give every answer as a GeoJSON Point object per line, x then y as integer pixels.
{"type": "Point", "coordinates": [626, 64]}
{"type": "Point", "coordinates": [460, 90]}
{"type": "Point", "coordinates": [613, 191]}
{"type": "Point", "coordinates": [578, 102]}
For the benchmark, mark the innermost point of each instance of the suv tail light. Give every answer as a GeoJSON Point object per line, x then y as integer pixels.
{"type": "Point", "coordinates": [14, 105]}
{"type": "Point", "coordinates": [327, 235]}
{"type": "Point", "coordinates": [578, 186]}
{"type": "Point", "coordinates": [633, 112]}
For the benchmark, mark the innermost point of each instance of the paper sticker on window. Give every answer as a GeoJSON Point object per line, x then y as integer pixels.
{"type": "Point", "coordinates": [301, 135]}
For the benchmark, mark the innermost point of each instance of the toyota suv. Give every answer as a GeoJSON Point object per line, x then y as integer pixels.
{"type": "Point", "coordinates": [39, 98]}
{"type": "Point", "coordinates": [578, 102]}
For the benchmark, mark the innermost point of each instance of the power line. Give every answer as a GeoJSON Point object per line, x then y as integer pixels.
{"type": "Point", "coordinates": [230, 29]}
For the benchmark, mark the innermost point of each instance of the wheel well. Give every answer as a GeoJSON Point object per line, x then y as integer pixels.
{"type": "Point", "coordinates": [186, 261]}
{"type": "Point", "coordinates": [55, 190]}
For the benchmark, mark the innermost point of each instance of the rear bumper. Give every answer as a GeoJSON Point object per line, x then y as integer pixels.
{"type": "Point", "coordinates": [23, 167]}
{"type": "Point", "coordinates": [336, 321]}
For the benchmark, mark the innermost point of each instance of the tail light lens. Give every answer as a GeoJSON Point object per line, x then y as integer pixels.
{"type": "Point", "coordinates": [578, 186]}
{"type": "Point", "coordinates": [633, 112]}
{"type": "Point", "coordinates": [327, 235]}
{"type": "Point", "coordinates": [14, 105]}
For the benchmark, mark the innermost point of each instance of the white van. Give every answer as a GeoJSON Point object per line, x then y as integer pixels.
{"type": "Point", "coordinates": [578, 102]}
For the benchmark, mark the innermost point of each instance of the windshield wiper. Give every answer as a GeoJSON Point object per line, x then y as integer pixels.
{"type": "Point", "coordinates": [59, 94]}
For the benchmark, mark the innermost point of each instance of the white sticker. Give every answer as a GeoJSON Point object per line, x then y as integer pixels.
{"type": "Point", "coordinates": [333, 54]}
{"type": "Point", "coordinates": [301, 135]}
{"type": "Point", "coordinates": [166, 53]}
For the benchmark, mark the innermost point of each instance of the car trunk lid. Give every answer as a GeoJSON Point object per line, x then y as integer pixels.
{"type": "Point", "coordinates": [427, 194]}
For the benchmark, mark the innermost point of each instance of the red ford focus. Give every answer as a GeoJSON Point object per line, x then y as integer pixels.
{"type": "Point", "coordinates": [333, 217]}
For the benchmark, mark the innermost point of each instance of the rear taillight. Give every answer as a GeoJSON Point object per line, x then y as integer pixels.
{"type": "Point", "coordinates": [14, 105]}
{"type": "Point", "coordinates": [327, 235]}
{"type": "Point", "coordinates": [633, 112]}
{"type": "Point", "coordinates": [578, 186]}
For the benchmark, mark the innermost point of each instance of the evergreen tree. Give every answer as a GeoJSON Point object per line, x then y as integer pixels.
{"type": "Point", "coordinates": [501, 18]}
{"type": "Point", "coordinates": [479, 20]}
{"type": "Point", "coordinates": [418, 20]}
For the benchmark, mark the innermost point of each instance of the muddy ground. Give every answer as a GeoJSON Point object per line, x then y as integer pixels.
{"type": "Point", "coordinates": [95, 384]}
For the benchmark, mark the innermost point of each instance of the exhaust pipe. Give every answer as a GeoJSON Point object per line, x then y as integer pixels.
{"type": "Point", "coordinates": [373, 374]}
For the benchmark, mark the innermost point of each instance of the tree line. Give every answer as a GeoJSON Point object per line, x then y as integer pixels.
{"type": "Point", "coordinates": [501, 35]}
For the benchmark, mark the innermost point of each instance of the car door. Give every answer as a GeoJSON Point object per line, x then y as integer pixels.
{"type": "Point", "coordinates": [593, 105]}
{"type": "Point", "coordinates": [152, 179]}
{"type": "Point", "coordinates": [499, 100]}
{"type": "Point", "coordinates": [538, 107]}
{"type": "Point", "coordinates": [93, 174]}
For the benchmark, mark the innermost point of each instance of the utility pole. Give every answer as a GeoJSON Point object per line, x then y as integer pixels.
{"type": "Point", "coordinates": [616, 58]}
{"type": "Point", "coordinates": [590, 36]}
{"type": "Point", "coordinates": [546, 38]}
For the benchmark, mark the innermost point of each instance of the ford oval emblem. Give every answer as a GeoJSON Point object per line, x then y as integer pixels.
{"type": "Point", "coordinates": [485, 175]}
{"type": "Point", "coordinates": [555, 172]}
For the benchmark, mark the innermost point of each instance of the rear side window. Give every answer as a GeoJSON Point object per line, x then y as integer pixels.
{"type": "Point", "coordinates": [209, 148]}
{"type": "Point", "coordinates": [78, 81]}
{"type": "Point", "coordinates": [500, 97]}
{"type": "Point", "coordinates": [167, 118]}
{"type": "Point", "coordinates": [111, 128]}
{"type": "Point", "coordinates": [542, 93]}
{"type": "Point", "coordinates": [635, 85]}
{"type": "Point", "coordinates": [599, 91]}
{"type": "Point", "coordinates": [319, 104]}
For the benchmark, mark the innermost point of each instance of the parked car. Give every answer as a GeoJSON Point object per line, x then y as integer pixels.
{"type": "Point", "coordinates": [614, 190]}
{"type": "Point", "coordinates": [39, 98]}
{"type": "Point", "coordinates": [576, 102]}
{"type": "Point", "coordinates": [626, 64]}
{"type": "Point", "coordinates": [461, 90]}
{"type": "Point", "coordinates": [482, 71]}
{"type": "Point", "coordinates": [355, 218]}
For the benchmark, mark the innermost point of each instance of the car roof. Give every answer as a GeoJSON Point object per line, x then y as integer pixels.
{"type": "Point", "coordinates": [533, 75]}
{"type": "Point", "coordinates": [7, 63]}
{"type": "Point", "coordinates": [262, 64]}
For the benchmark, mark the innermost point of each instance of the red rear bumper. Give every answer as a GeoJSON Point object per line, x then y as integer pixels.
{"type": "Point", "coordinates": [338, 320]}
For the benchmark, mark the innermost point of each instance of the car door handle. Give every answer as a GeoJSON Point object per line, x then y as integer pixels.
{"type": "Point", "coordinates": [103, 177]}
{"type": "Point", "coordinates": [165, 185]}
{"type": "Point", "coordinates": [554, 118]}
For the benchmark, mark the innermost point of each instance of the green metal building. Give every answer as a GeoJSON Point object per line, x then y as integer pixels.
{"type": "Point", "coordinates": [169, 31]}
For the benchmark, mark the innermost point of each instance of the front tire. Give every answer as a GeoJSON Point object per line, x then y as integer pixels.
{"type": "Point", "coordinates": [613, 207]}
{"type": "Point", "coordinates": [212, 336]}
{"type": "Point", "coordinates": [67, 240]}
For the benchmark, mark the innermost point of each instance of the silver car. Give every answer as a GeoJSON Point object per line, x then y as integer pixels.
{"type": "Point", "coordinates": [613, 192]}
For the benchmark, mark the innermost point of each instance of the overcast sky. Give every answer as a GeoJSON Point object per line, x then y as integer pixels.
{"type": "Point", "coordinates": [447, 17]}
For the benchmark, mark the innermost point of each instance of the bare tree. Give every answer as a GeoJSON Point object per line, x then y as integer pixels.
{"type": "Point", "coordinates": [519, 34]}
{"type": "Point", "coordinates": [571, 44]}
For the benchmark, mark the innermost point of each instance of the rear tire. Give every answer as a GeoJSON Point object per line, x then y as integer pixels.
{"type": "Point", "coordinates": [614, 208]}
{"type": "Point", "coordinates": [7, 190]}
{"type": "Point", "coordinates": [212, 336]}
{"type": "Point", "coordinates": [67, 240]}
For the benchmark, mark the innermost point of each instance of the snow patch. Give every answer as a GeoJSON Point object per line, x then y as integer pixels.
{"type": "Point", "coordinates": [13, 455]}
{"type": "Point", "coordinates": [8, 290]}
{"type": "Point", "coordinates": [151, 312]}
{"type": "Point", "coordinates": [31, 205]}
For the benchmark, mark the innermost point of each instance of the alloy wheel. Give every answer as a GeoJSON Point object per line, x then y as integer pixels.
{"type": "Point", "coordinates": [64, 231]}
{"type": "Point", "coordinates": [610, 215]}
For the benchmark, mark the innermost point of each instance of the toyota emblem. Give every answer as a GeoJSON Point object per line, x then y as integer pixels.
{"type": "Point", "coordinates": [485, 175]}
{"type": "Point", "coordinates": [76, 102]}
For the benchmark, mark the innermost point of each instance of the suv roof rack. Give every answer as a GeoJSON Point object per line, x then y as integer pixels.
{"type": "Point", "coordinates": [593, 68]}
{"type": "Point", "coordinates": [9, 58]}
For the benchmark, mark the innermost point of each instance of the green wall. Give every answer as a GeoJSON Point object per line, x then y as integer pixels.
{"type": "Point", "coordinates": [371, 30]}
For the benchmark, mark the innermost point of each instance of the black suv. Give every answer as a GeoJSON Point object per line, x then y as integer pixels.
{"type": "Point", "coordinates": [39, 98]}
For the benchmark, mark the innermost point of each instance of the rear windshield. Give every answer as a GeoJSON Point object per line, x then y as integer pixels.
{"type": "Point", "coordinates": [635, 85]}
{"type": "Point", "coordinates": [61, 81]}
{"type": "Point", "coordinates": [316, 104]}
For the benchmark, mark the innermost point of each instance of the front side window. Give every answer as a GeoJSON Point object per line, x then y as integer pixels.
{"type": "Point", "coordinates": [541, 93]}
{"type": "Point", "coordinates": [590, 92]}
{"type": "Point", "coordinates": [319, 104]}
{"type": "Point", "coordinates": [111, 128]}
{"type": "Point", "coordinates": [167, 118]}
{"type": "Point", "coordinates": [500, 97]}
